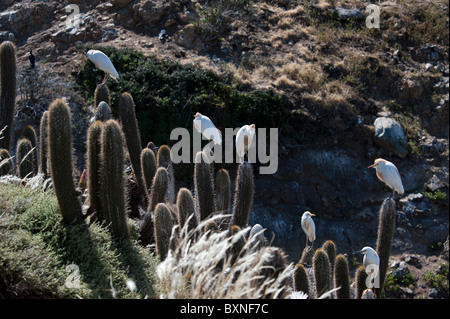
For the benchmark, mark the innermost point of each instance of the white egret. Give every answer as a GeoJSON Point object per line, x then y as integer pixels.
{"type": "Point", "coordinates": [244, 138]}
{"type": "Point", "coordinates": [370, 258]}
{"type": "Point", "coordinates": [205, 126]}
{"type": "Point", "coordinates": [388, 173]}
{"type": "Point", "coordinates": [102, 62]}
{"type": "Point", "coordinates": [309, 227]}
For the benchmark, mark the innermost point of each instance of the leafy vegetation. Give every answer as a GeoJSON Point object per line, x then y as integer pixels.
{"type": "Point", "coordinates": [439, 280]}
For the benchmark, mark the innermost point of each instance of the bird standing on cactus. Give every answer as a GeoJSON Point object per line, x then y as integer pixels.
{"type": "Point", "coordinates": [205, 126]}
{"type": "Point", "coordinates": [244, 138]}
{"type": "Point", "coordinates": [102, 62]}
{"type": "Point", "coordinates": [370, 258]}
{"type": "Point", "coordinates": [309, 227]}
{"type": "Point", "coordinates": [388, 173]}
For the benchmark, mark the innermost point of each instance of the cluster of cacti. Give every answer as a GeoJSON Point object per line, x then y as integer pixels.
{"type": "Point", "coordinates": [7, 92]}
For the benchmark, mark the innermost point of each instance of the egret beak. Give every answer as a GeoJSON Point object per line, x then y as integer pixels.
{"type": "Point", "coordinates": [372, 166]}
{"type": "Point", "coordinates": [312, 214]}
{"type": "Point", "coordinates": [195, 115]}
{"type": "Point", "coordinates": [357, 252]}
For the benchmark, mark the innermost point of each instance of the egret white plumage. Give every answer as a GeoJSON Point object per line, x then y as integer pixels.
{"type": "Point", "coordinates": [388, 173]}
{"type": "Point", "coordinates": [370, 258]}
{"type": "Point", "coordinates": [244, 138]}
{"type": "Point", "coordinates": [205, 126]}
{"type": "Point", "coordinates": [309, 227]}
{"type": "Point", "coordinates": [102, 62]}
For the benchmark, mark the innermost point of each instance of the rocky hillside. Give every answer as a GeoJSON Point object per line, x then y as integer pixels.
{"type": "Point", "coordinates": [351, 94]}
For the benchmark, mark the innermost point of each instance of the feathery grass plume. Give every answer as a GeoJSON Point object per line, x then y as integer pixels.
{"type": "Point", "coordinates": [237, 244]}
{"type": "Point", "coordinates": [60, 159]}
{"type": "Point", "coordinates": [6, 163]}
{"type": "Point", "coordinates": [102, 112]}
{"type": "Point", "coordinates": [243, 195]}
{"type": "Point", "coordinates": [101, 94]}
{"type": "Point", "coordinates": [300, 279]}
{"type": "Point", "coordinates": [341, 277]}
{"type": "Point", "coordinates": [112, 188]}
{"type": "Point", "coordinates": [204, 189]}
{"type": "Point", "coordinates": [30, 134]}
{"type": "Point", "coordinates": [163, 160]}
{"type": "Point", "coordinates": [43, 142]}
{"type": "Point", "coordinates": [157, 195]}
{"type": "Point", "coordinates": [186, 209]}
{"type": "Point", "coordinates": [93, 169]}
{"type": "Point", "coordinates": [202, 269]}
{"type": "Point", "coordinates": [223, 194]}
{"type": "Point", "coordinates": [322, 271]}
{"type": "Point", "coordinates": [384, 239]}
{"type": "Point", "coordinates": [148, 167]}
{"type": "Point", "coordinates": [24, 155]}
{"type": "Point", "coordinates": [132, 136]}
{"type": "Point", "coordinates": [8, 70]}
{"type": "Point", "coordinates": [330, 248]}
{"type": "Point", "coordinates": [163, 230]}
{"type": "Point", "coordinates": [360, 281]}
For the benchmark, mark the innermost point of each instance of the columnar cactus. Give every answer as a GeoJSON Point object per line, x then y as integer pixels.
{"type": "Point", "coordinates": [131, 131]}
{"type": "Point", "coordinates": [321, 268]}
{"type": "Point", "coordinates": [384, 240]}
{"type": "Point", "coordinates": [148, 167]}
{"type": "Point", "coordinates": [204, 189]}
{"type": "Point", "coordinates": [24, 158]}
{"type": "Point", "coordinates": [163, 160]}
{"type": "Point", "coordinates": [157, 195]}
{"type": "Point", "coordinates": [7, 91]}
{"type": "Point", "coordinates": [6, 163]}
{"type": "Point", "coordinates": [330, 248]}
{"type": "Point", "coordinates": [101, 94]}
{"type": "Point", "coordinates": [237, 243]}
{"type": "Point", "coordinates": [93, 168]}
{"type": "Point", "coordinates": [186, 209]}
{"type": "Point", "coordinates": [360, 281]}
{"type": "Point", "coordinates": [60, 159]}
{"type": "Point", "coordinates": [30, 134]}
{"type": "Point", "coordinates": [301, 279]}
{"type": "Point", "coordinates": [341, 277]}
{"type": "Point", "coordinates": [223, 191]}
{"type": "Point", "coordinates": [43, 142]}
{"type": "Point", "coordinates": [163, 230]}
{"type": "Point", "coordinates": [103, 112]}
{"type": "Point", "coordinates": [112, 188]}
{"type": "Point", "coordinates": [243, 196]}
{"type": "Point", "coordinates": [307, 255]}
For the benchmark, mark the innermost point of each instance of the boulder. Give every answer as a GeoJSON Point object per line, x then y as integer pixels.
{"type": "Point", "coordinates": [348, 14]}
{"type": "Point", "coordinates": [189, 39]}
{"type": "Point", "coordinates": [389, 134]}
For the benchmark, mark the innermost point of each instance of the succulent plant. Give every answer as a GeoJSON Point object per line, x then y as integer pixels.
{"type": "Point", "coordinates": [101, 94]}
{"type": "Point", "coordinates": [24, 158]}
{"type": "Point", "coordinates": [30, 134]}
{"type": "Point", "coordinates": [301, 279]}
{"type": "Point", "coordinates": [93, 168]}
{"type": "Point", "coordinates": [148, 167]}
{"type": "Point", "coordinates": [43, 142]}
{"type": "Point", "coordinates": [6, 163]}
{"type": "Point", "coordinates": [322, 271]}
{"type": "Point", "coordinates": [204, 189]}
{"type": "Point", "coordinates": [243, 196]}
{"type": "Point", "coordinates": [163, 230]}
{"type": "Point", "coordinates": [341, 277]}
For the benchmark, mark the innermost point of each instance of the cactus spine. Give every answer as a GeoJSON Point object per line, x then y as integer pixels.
{"type": "Point", "coordinates": [163, 230]}
{"type": "Point", "coordinates": [243, 196]}
{"type": "Point", "coordinates": [101, 94]}
{"type": "Point", "coordinates": [60, 156]}
{"type": "Point", "coordinates": [384, 240]}
{"type": "Point", "coordinates": [7, 91]}
{"type": "Point", "coordinates": [301, 279]}
{"type": "Point", "coordinates": [204, 190]}
{"type": "Point", "coordinates": [24, 158]}
{"type": "Point", "coordinates": [112, 178]}
{"type": "Point", "coordinates": [131, 131]}
{"type": "Point", "coordinates": [6, 163]}
{"type": "Point", "coordinates": [360, 281]}
{"type": "Point", "coordinates": [321, 267]}
{"type": "Point", "coordinates": [93, 168]}
{"type": "Point", "coordinates": [148, 167]}
{"type": "Point", "coordinates": [186, 209]}
{"type": "Point", "coordinates": [341, 277]}
{"type": "Point", "coordinates": [43, 142]}
{"type": "Point", "coordinates": [30, 134]}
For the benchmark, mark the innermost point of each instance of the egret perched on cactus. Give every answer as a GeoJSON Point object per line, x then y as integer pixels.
{"type": "Point", "coordinates": [370, 257]}
{"type": "Point", "coordinates": [388, 173]}
{"type": "Point", "coordinates": [309, 227]}
{"type": "Point", "coordinates": [102, 62]}
{"type": "Point", "coordinates": [244, 138]}
{"type": "Point", "coordinates": [205, 126]}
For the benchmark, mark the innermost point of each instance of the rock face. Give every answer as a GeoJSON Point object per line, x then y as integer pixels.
{"type": "Point", "coordinates": [390, 135]}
